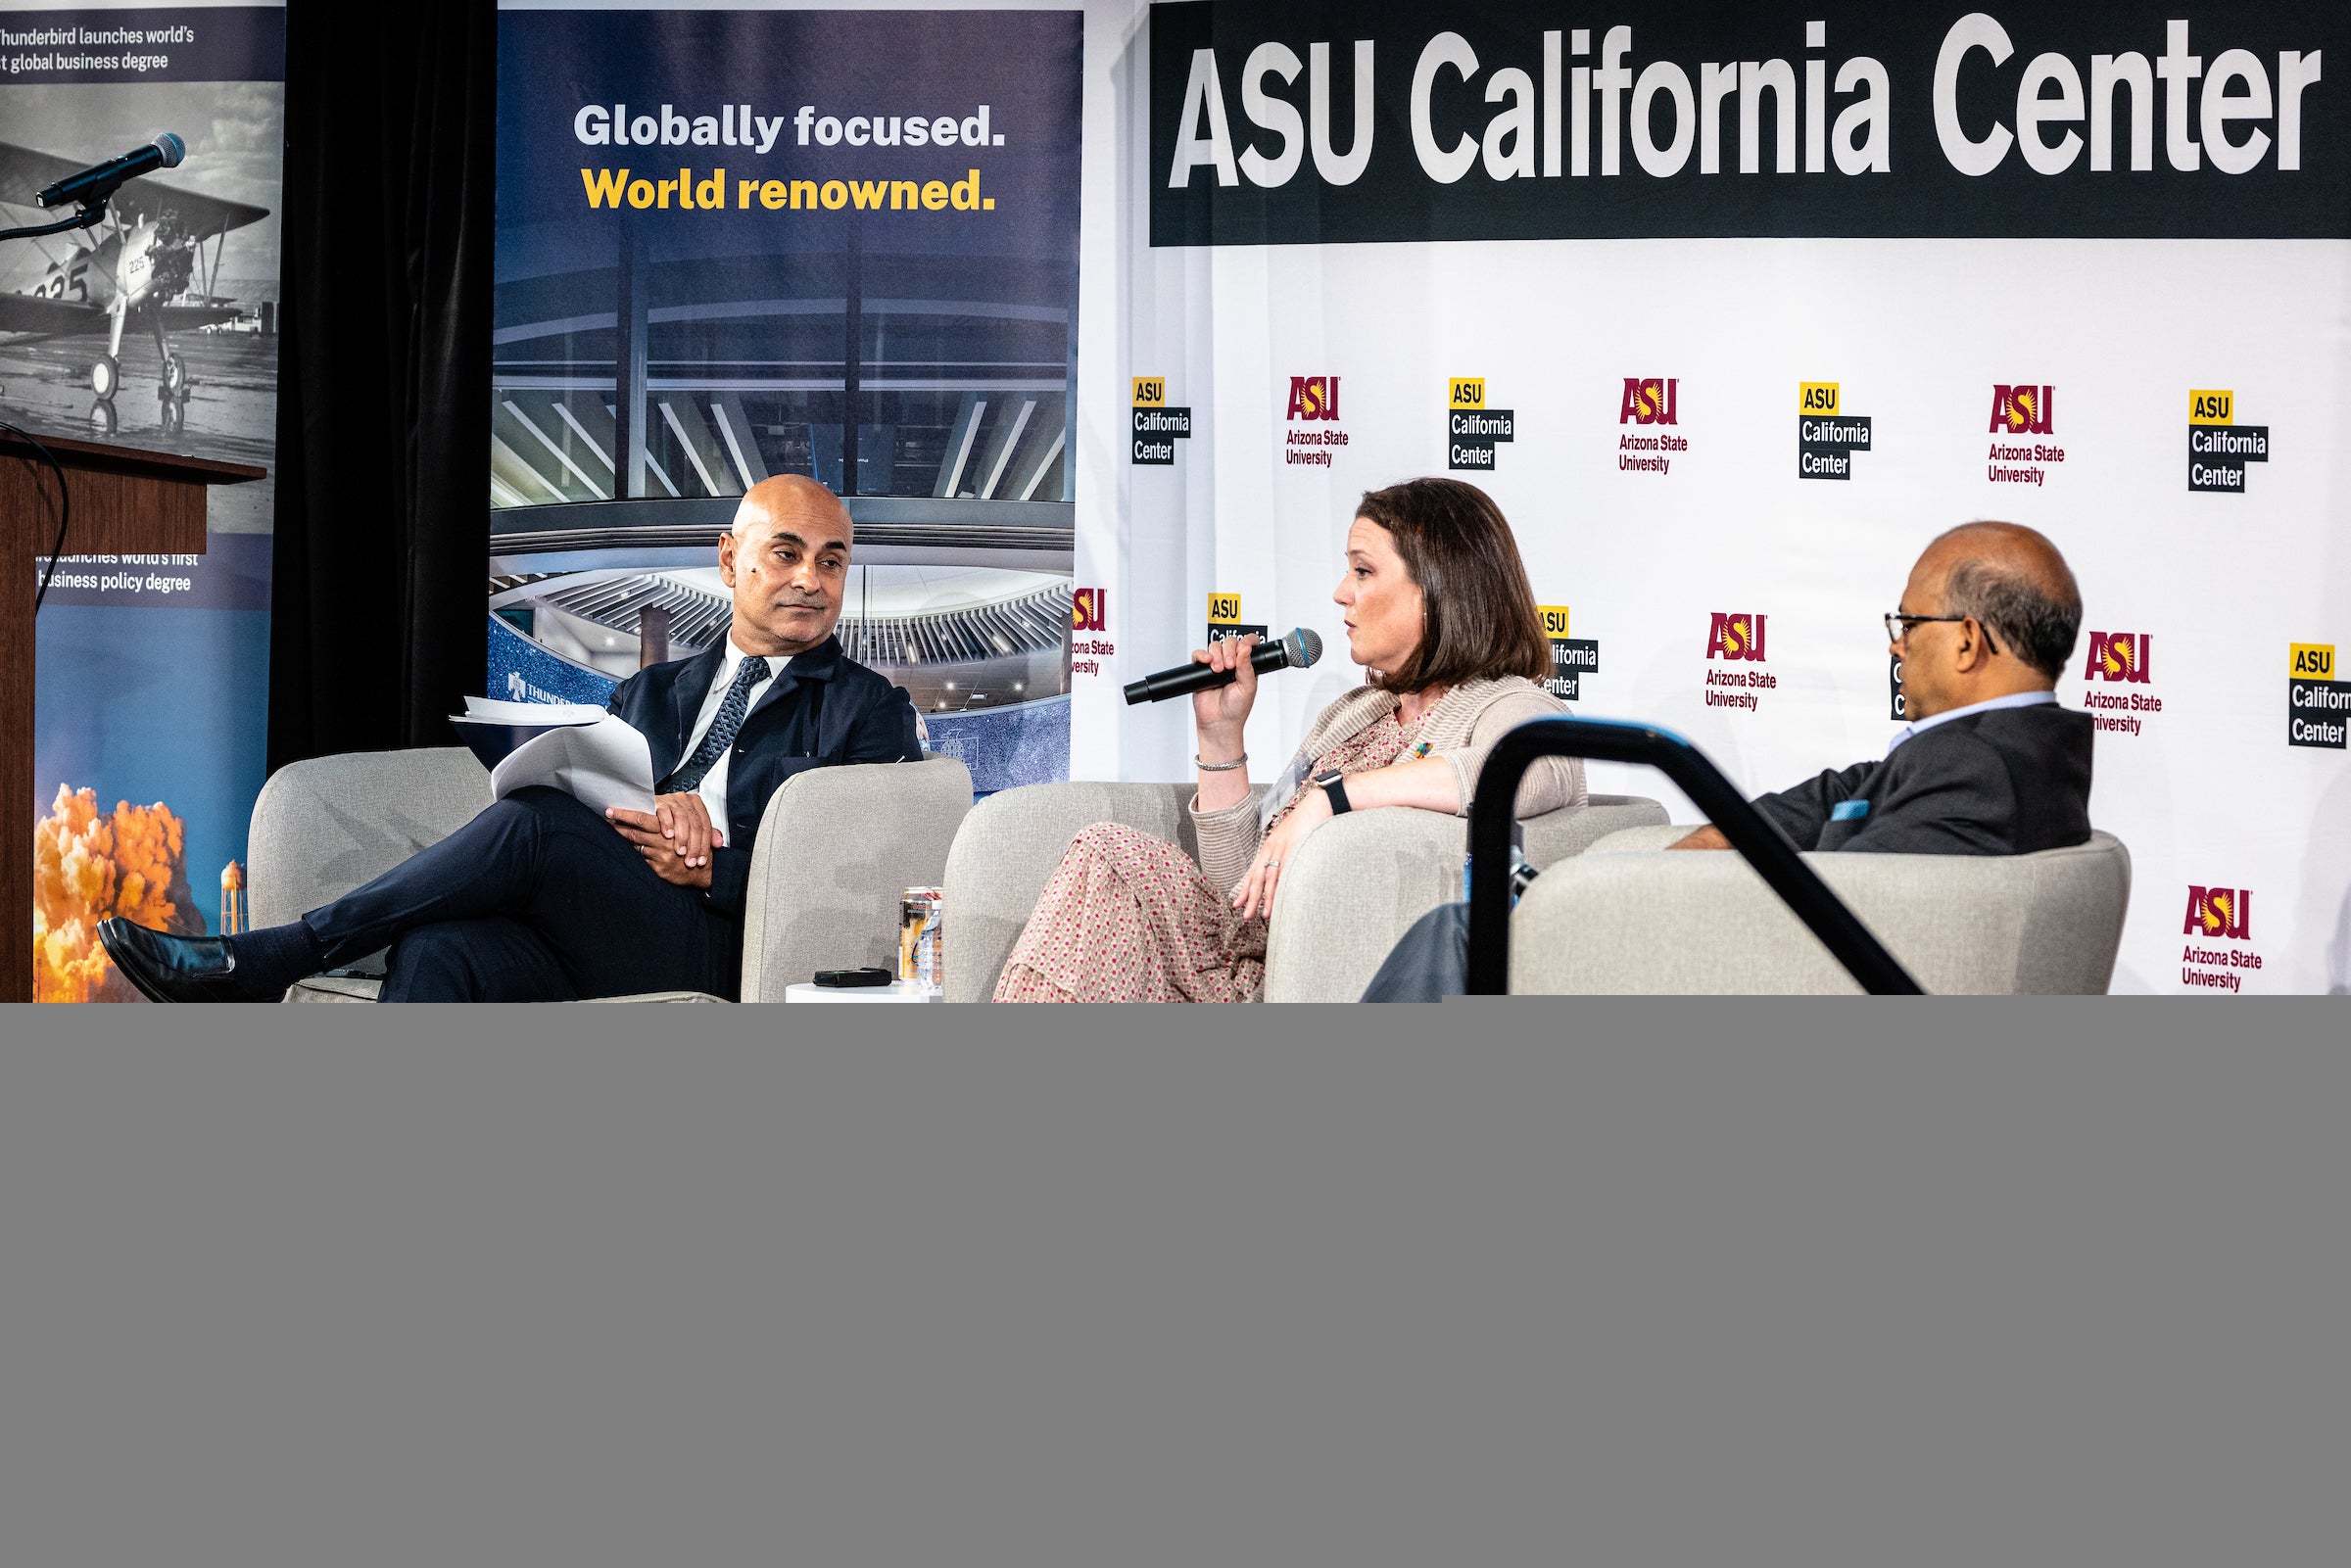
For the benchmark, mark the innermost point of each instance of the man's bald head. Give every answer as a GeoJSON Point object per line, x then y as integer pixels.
{"type": "Point", "coordinates": [787, 560]}
{"type": "Point", "coordinates": [791, 498]}
{"type": "Point", "coordinates": [2016, 585]}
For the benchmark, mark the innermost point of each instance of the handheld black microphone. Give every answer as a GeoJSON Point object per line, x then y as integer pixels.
{"type": "Point", "coordinates": [1296, 651]}
{"type": "Point", "coordinates": [98, 182]}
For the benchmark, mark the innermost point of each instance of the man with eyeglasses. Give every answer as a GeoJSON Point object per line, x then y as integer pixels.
{"type": "Point", "coordinates": [1989, 765]}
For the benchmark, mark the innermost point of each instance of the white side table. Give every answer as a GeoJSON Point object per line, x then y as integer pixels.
{"type": "Point", "coordinates": [895, 991]}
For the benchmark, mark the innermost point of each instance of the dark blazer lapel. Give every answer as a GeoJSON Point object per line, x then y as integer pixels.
{"type": "Point", "coordinates": [786, 681]}
{"type": "Point", "coordinates": [776, 685]}
{"type": "Point", "coordinates": [687, 691]}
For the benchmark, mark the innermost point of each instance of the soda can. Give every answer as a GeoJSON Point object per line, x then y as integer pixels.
{"type": "Point", "coordinates": [920, 953]}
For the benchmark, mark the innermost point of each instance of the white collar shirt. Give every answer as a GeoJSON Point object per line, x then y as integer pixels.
{"type": "Point", "coordinates": [2014, 699]}
{"type": "Point", "coordinates": [713, 789]}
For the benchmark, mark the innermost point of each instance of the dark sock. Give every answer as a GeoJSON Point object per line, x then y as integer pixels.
{"type": "Point", "coordinates": [273, 958]}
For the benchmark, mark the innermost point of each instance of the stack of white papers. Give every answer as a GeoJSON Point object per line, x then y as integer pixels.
{"type": "Point", "coordinates": [572, 746]}
{"type": "Point", "coordinates": [540, 714]}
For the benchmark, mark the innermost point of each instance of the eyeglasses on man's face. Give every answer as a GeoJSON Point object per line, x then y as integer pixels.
{"type": "Point", "coordinates": [1898, 624]}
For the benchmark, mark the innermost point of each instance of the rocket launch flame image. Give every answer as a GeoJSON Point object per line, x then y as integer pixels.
{"type": "Point", "coordinates": [87, 866]}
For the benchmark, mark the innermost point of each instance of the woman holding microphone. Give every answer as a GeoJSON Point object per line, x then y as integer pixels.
{"type": "Point", "coordinates": [1439, 613]}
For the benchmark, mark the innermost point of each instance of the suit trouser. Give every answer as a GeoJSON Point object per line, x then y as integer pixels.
{"type": "Point", "coordinates": [538, 899]}
{"type": "Point", "coordinates": [1429, 962]}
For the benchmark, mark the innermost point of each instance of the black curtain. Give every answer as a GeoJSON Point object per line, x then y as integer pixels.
{"type": "Point", "coordinates": [383, 433]}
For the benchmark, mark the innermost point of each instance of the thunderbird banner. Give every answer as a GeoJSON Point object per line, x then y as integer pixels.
{"type": "Point", "coordinates": [157, 329]}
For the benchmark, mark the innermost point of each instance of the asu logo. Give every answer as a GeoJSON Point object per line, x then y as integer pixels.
{"type": "Point", "coordinates": [2121, 659]}
{"type": "Point", "coordinates": [1475, 431]}
{"type": "Point", "coordinates": [2218, 447]}
{"type": "Point", "coordinates": [1314, 398]}
{"type": "Point", "coordinates": [1650, 401]}
{"type": "Point", "coordinates": [2023, 410]}
{"type": "Point", "coordinates": [2219, 912]}
{"type": "Point", "coordinates": [1736, 636]}
{"type": "Point", "coordinates": [1826, 436]}
{"type": "Point", "coordinates": [1224, 619]}
{"type": "Point", "coordinates": [1090, 609]}
{"type": "Point", "coordinates": [1156, 427]}
{"type": "Point", "coordinates": [1571, 658]}
{"type": "Point", "coordinates": [2318, 706]}
{"type": "Point", "coordinates": [2120, 656]}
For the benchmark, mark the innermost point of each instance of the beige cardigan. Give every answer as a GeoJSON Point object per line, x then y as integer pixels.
{"type": "Point", "coordinates": [1462, 728]}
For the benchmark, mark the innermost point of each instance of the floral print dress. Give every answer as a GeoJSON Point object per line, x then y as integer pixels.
{"type": "Point", "coordinates": [1129, 918]}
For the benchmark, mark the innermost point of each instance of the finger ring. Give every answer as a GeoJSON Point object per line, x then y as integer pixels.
{"type": "Point", "coordinates": [1273, 864]}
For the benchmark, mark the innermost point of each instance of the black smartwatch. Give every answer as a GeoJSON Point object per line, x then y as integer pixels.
{"type": "Point", "coordinates": [1335, 785]}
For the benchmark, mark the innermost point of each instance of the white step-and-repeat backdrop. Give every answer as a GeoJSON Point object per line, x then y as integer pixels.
{"type": "Point", "coordinates": [1732, 310]}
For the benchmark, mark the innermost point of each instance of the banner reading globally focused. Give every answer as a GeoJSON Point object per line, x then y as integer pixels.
{"type": "Point", "coordinates": [837, 243]}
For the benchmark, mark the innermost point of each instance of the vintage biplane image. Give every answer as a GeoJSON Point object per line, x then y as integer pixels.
{"type": "Point", "coordinates": [156, 256]}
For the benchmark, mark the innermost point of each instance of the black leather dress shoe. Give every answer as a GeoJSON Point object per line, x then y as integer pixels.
{"type": "Point", "coordinates": [171, 968]}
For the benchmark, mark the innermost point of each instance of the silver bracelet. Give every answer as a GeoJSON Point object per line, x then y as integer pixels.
{"type": "Point", "coordinates": [1242, 761]}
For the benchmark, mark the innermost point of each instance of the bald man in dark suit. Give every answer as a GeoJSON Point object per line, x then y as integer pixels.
{"type": "Point", "coordinates": [540, 898]}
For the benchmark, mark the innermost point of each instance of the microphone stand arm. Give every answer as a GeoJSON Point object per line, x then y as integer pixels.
{"type": "Point", "coordinates": [91, 217]}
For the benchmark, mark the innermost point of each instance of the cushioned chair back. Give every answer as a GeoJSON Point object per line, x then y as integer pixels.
{"type": "Point", "coordinates": [837, 847]}
{"type": "Point", "coordinates": [1360, 880]}
{"type": "Point", "coordinates": [1009, 848]}
{"type": "Point", "coordinates": [321, 828]}
{"type": "Point", "coordinates": [1644, 921]}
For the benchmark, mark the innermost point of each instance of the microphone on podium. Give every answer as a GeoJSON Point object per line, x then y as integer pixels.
{"type": "Point", "coordinates": [98, 183]}
{"type": "Point", "coordinates": [1296, 651]}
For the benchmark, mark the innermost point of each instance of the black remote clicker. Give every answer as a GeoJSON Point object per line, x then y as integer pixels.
{"type": "Point", "coordinates": [854, 978]}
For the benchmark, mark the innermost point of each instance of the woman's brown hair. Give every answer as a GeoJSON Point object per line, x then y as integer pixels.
{"type": "Point", "coordinates": [1481, 620]}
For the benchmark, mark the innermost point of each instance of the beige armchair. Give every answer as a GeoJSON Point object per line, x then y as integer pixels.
{"type": "Point", "coordinates": [1356, 884]}
{"type": "Point", "coordinates": [1628, 917]}
{"type": "Point", "coordinates": [837, 847]}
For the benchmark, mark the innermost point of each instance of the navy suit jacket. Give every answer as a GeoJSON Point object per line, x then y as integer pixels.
{"type": "Point", "coordinates": [2009, 782]}
{"type": "Point", "coordinates": [859, 717]}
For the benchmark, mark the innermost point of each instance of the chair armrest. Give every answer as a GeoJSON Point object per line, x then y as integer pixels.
{"type": "Point", "coordinates": [1629, 923]}
{"type": "Point", "coordinates": [1643, 838]}
{"type": "Point", "coordinates": [837, 847]}
{"type": "Point", "coordinates": [1351, 888]}
{"type": "Point", "coordinates": [1557, 834]}
{"type": "Point", "coordinates": [324, 826]}
{"type": "Point", "coordinates": [1010, 846]}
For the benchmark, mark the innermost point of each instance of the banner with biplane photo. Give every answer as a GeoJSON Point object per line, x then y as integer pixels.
{"type": "Point", "coordinates": [155, 328]}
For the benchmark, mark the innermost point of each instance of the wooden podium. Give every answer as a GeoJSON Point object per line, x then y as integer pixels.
{"type": "Point", "coordinates": [126, 502]}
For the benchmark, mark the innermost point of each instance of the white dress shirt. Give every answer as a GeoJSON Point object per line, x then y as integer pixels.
{"type": "Point", "coordinates": [714, 783]}
{"type": "Point", "coordinates": [2014, 699]}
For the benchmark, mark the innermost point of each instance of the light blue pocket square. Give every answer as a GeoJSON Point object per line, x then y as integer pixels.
{"type": "Point", "coordinates": [1848, 811]}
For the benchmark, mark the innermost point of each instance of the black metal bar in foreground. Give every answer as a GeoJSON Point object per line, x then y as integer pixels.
{"type": "Point", "coordinates": [1754, 836]}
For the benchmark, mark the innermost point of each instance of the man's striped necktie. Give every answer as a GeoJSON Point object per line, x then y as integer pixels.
{"type": "Point", "coordinates": [723, 730]}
